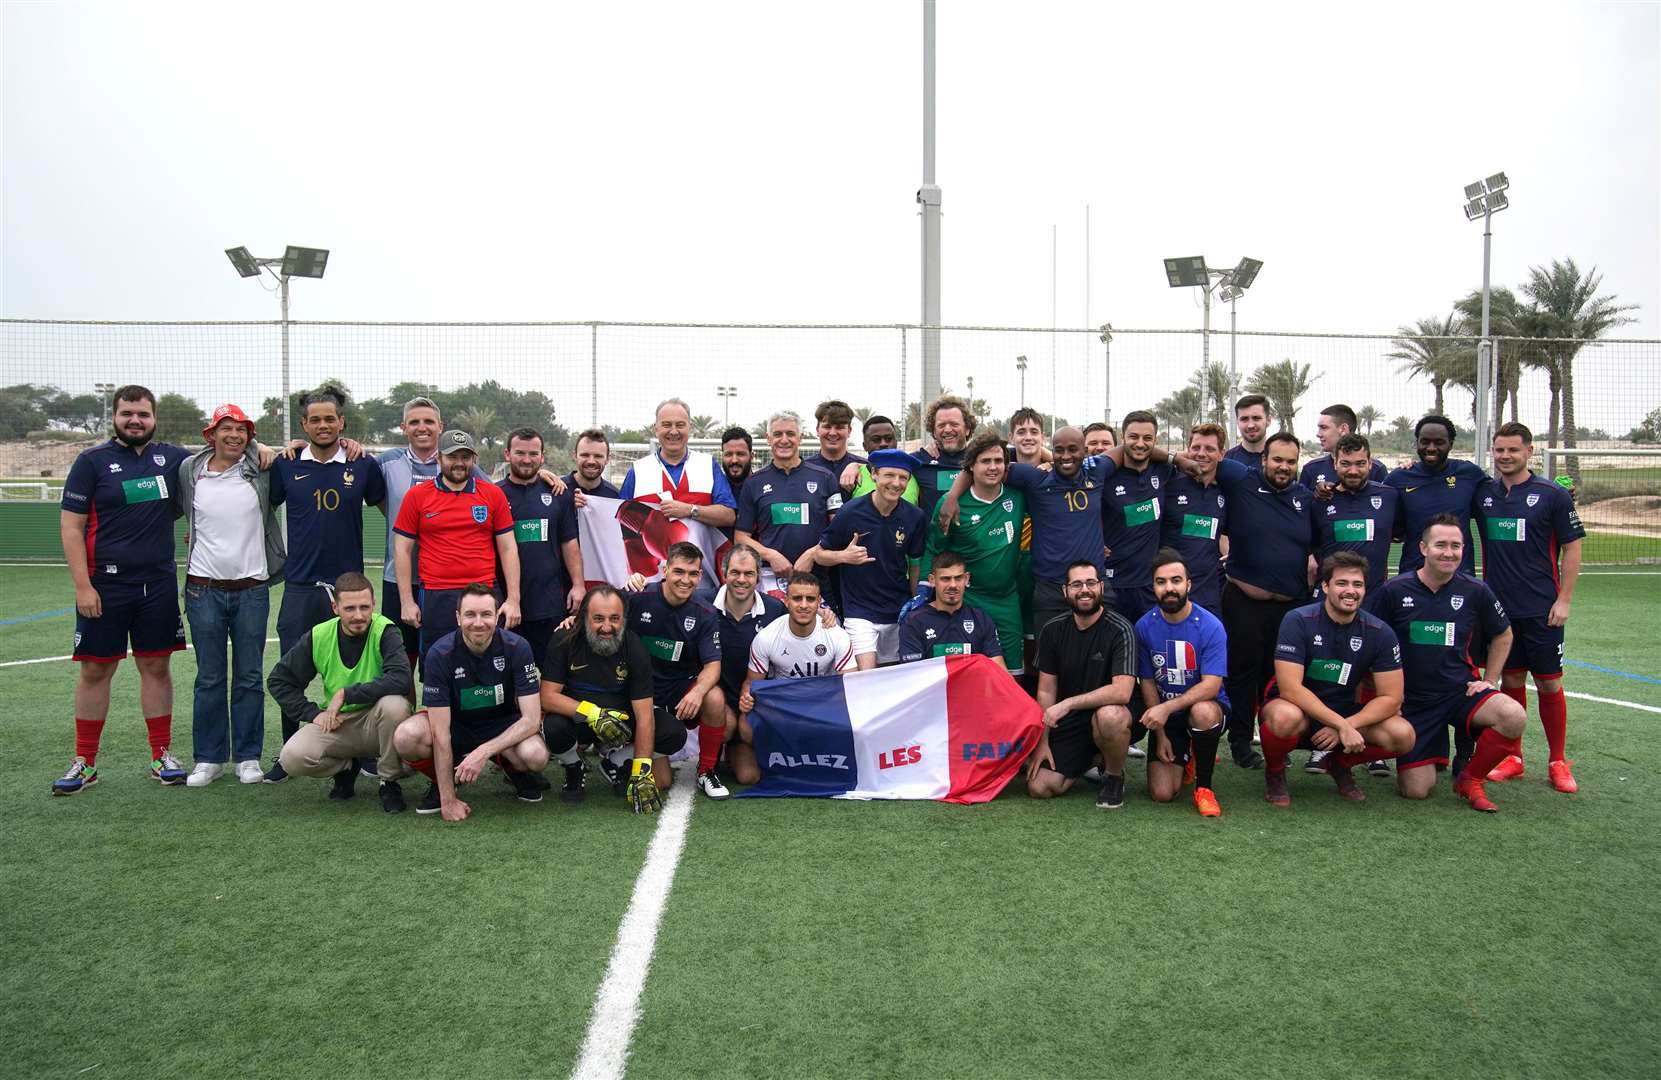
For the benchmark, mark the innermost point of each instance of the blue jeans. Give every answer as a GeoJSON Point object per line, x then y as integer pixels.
{"type": "Point", "coordinates": [237, 617]}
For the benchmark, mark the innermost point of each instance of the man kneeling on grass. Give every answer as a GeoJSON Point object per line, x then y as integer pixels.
{"type": "Point", "coordinates": [480, 688]}
{"type": "Point", "coordinates": [359, 657]}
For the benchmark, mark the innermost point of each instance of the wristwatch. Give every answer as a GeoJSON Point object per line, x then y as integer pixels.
{"type": "Point", "coordinates": [694, 511]}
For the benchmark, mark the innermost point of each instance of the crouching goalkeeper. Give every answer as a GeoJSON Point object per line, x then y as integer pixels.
{"type": "Point", "coordinates": [597, 690]}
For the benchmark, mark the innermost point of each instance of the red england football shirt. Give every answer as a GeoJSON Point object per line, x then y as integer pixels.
{"type": "Point", "coordinates": [456, 530]}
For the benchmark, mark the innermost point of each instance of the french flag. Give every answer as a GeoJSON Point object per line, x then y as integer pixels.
{"type": "Point", "coordinates": [954, 729]}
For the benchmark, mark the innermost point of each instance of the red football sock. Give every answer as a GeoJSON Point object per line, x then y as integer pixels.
{"type": "Point", "coordinates": [709, 745]}
{"type": "Point", "coordinates": [424, 767]}
{"type": "Point", "coordinates": [1275, 750]}
{"type": "Point", "coordinates": [1519, 694]}
{"type": "Point", "coordinates": [87, 734]}
{"type": "Point", "coordinates": [1371, 753]}
{"type": "Point", "coordinates": [1491, 749]}
{"type": "Point", "coordinates": [160, 730]}
{"type": "Point", "coordinates": [1554, 717]}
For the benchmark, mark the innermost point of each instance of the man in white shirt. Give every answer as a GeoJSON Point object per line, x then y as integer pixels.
{"type": "Point", "coordinates": [236, 549]}
{"type": "Point", "coordinates": [798, 646]}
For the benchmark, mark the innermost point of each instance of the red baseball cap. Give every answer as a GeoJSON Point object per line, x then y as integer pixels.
{"type": "Point", "coordinates": [228, 412]}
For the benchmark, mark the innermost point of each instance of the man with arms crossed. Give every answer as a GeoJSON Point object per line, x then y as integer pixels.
{"type": "Point", "coordinates": [482, 699]}
{"type": "Point", "coordinates": [1531, 536]}
{"type": "Point", "coordinates": [597, 688]}
{"type": "Point", "coordinates": [1181, 659]}
{"type": "Point", "coordinates": [1086, 687]}
{"type": "Point", "coordinates": [987, 536]}
{"type": "Point", "coordinates": [359, 657]}
{"type": "Point", "coordinates": [1435, 611]}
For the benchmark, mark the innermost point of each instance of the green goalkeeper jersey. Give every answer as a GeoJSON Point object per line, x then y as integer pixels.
{"type": "Point", "coordinates": [988, 536]}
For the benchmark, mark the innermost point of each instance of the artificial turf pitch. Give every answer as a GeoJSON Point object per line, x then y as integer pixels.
{"type": "Point", "coordinates": [265, 931]}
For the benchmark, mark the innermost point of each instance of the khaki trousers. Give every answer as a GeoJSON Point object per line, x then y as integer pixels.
{"type": "Point", "coordinates": [311, 751]}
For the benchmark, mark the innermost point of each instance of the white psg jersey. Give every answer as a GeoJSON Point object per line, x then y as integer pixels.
{"type": "Point", "coordinates": [779, 654]}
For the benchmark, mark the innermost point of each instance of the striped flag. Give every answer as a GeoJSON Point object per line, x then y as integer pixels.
{"type": "Point", "coordinates": [954, 728]}
{"type": "Point", "coordinates": [621, 537]}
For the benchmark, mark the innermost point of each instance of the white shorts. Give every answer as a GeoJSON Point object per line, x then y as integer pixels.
{"type": "Point", "coordinates": [880, 638]}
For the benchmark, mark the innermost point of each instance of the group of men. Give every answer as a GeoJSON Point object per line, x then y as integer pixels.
{"type": "Point", "coordinates": [1179, 598]}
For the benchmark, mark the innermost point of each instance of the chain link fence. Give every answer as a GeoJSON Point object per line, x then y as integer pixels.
{"type": "Point", "coordinates": [563, 377]}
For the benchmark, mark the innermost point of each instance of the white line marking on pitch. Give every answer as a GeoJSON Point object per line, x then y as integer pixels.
{"type": "Point", "coordinates": [1611, 701]}
{"type": "Point", "coordinates": [52, 659]}
{"type": "Point", "coordinates": [605, 1049]}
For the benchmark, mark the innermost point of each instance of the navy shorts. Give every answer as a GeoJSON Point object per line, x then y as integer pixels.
{"type": "Point", "coordinates": [1431, 723]}
{"type": "Point", "coordinates": [465, 740]}
{"type": "Point", "coordinates": [1306, 741]}
{"type": "Point", "coordinates": [1176, 730]}
{"type": "Point", "coordinates": [1133, 601]}
{"type": "Point", "coordinates": [147, 616]}
{"type": "Point", "coordinates": [1535, 647]}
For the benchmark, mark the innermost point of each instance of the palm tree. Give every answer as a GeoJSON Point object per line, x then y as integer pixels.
{"type": "Point", "coordinates": [478, 421]}
{"type": "Point", "coordinates": [1368, 415]}
{"type": "Point", "coordinates": [1283, 383]}
{"type": "Point", "coordinates": [1424, 351]}
{"type": "Point", "coordinates": [864, 413]}
{"type": "Point", "coordinates": [1567, 308]}
{"type": "Point", "coordinates": [1507, 318]}
{"type": "Point", "coordinates": [1180, 411]}
{"type": "Point", "coordinates": [1218, 388]}
{"type": "Point", "coordinates": [704, 427]}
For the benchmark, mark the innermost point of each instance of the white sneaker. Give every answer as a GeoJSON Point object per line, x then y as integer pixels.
{"type": "Point", "coordinates": [1136, 751]}
{"type": "Point", "coordinates": [249, 772]}
{"type": "Point", "coordinates": [711, 785]}
{"type": "Point", "coordinates": [205, 773]}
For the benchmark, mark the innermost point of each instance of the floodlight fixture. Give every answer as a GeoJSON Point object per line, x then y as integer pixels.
{"type": "Point", "coordinates": [1475, 208]}
{"type": "Point", "coordinates": [1497, 201]}
{"type": "Point", "coordinates": [1244, 274]}
{"type": "Point", "coordinates": [243, 261]}
{"type": "Point", "coordinates": [304, 261]}
{"type": "Point", "coordinates": [1230, 292]}
{"type": "Point", "coordinates": [1497, 182]}
{"type": "Point", "coordinates": [1474, 191]}
{"type": "Point", "coordinates": [1186, 272]}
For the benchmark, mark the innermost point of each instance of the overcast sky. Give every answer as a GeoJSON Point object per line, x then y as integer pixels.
{"type": "Point", "coordinates": [725, 162]}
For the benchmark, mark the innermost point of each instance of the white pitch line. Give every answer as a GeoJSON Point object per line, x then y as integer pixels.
{"type": "Point", "coordinates": [1611, 701]}
{"type": "Point", "coordinates": [54, 659]}
{"type": "Point", "coordinates": [605, 1049]}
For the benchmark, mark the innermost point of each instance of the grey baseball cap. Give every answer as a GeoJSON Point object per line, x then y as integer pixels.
{"type": "Point", "coordinates": [454, 441]}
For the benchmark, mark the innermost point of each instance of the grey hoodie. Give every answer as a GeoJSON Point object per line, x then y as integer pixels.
{"type": "Point", "coordinates": [191, 470]}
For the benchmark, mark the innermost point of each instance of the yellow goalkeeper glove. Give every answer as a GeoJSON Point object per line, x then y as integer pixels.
{"type": "Point", "coordinates": [610, 727]}
{"type": "Point", "coordinates": [643, 792]}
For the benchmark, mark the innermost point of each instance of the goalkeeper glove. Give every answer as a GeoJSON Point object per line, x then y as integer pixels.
{"type": "Point", "coordinates": [610, 727]}
{"type": "Point", "coordinates": [925, 595]}
{"type": "Point", "coordinates": [643, 793]}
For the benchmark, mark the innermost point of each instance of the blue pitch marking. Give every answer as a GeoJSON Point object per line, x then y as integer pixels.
{"type": "Point", "coordinates": [1612, 671]}
{"type": "Point", "coordinates": [38, 617]}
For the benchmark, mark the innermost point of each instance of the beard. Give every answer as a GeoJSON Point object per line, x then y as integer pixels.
{"type": "Point", "coordinates": [1172, 602]}
{"type": "Point", "coordinates": [1084, 603]}
{"type": "Point", "coordinates": [603, 646]}
{"type": "Point", "coordinates": [737, 475]}
{"type": "Point", "coordinates": [133, 440]}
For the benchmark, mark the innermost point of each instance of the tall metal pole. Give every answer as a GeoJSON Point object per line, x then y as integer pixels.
{"type": "Point", "coordinates": [1233, 371]}
{"type": "Point", "coordinates": [288, 430]}
{"type": "Point", "coordinates": [1053, 325]}
{"type": "Point", "coordinates": [1087, 294]}
{"type": "Point", "coordinates": [1107, 373]}
{"type": "Point", "coordinates": [1484, 350]}
{"type": "Point", "coordinates": [929, 196]}
{"type": "Point", "coordinates": [1205, 351]}
{"type": "Point", "coordinates": [594, 375]}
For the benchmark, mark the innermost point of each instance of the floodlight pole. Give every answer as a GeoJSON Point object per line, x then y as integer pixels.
{"type": "Point", "coordinates": [1233, 368]}
{"type": "Point", "coordinates": [1485, 348]}
{"type": "Point", "coordinates": [929, 197]}
{"type": "Point", "coordinates": [287, 422]}
{"type": "Point", "coordinates": [1205, 350]}
{"type": "Point", "coordinates": [1107, 373]}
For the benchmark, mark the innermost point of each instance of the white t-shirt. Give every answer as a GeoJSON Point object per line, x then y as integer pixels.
{"type": "Point", "coordinates": [230, 534]}
{"type": "Point", "coordinates": [779, 654]}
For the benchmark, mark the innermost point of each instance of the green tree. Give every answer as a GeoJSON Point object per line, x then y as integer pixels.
{"type": "Point", "coordinates": [1569, 312]}
{"type": "Point", "coordinates": [1367, 416]}
{"type": "Point", "coordinates": [180, 419]}
{"type": "Point", "coordinates": [1425, 353]}
{"type": "Point", "coordinates": [1648, 429]}
{"type": "Point", "coordinates": [1283, 383]}
{"type": "Point", "coordinates": [480, 422]}
{"type": "Point", "coordinates": [383, 416]}
{"type": "Point", "coordinates": [20, 411]}
{"type": "Point", "coordinates": [705, 427]}
{"type": "Point", "coordinates": [1179, 411]}
{"type": "Point", "coordinates": [1218, 388]}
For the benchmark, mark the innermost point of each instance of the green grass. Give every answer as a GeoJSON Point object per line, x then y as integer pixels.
{"type": "Point", "coordinates": [264, 930]}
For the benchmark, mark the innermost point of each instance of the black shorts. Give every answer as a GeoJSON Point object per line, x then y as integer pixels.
{"type": "Point", "coordinates": [1073, 742]}
{"type": "Point", "coordinates": [1536, 647]}
{"type": "Point", "coordinates": [1133, 601]}
{"type": "Point", "coordinates": [1048, 601]}
{"type": "Point", "coordinates": [1176, 730]}
{"type": "Point", "coordinates": [465, 740]}
{"type": "Point", "coordinates": [561, 733]}
{"type": "Point", "coordinates": [663, 705]}
{"type": "Point", "coordinates": [1430, 727]}
{"type": "Point", "coordinates": [145, 615]}
{"type": "Point", "coordinates": [538, 632]}
{"type": "Point", "coordinates": [393, 608]}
